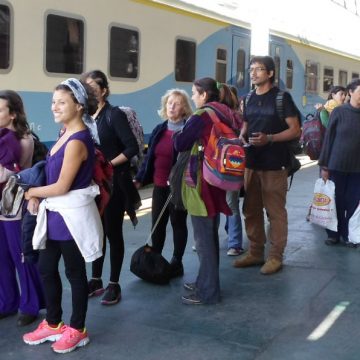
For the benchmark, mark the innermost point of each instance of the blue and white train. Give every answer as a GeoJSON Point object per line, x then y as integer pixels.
{"type": "Point", "coordinates": [146, 47]}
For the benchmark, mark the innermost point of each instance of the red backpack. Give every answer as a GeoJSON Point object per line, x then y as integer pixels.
{"type": "Point", "coordinates": [224, 156]}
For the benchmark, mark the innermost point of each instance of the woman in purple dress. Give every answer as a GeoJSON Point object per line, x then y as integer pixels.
{"type": "Point", "coordinates": [68, 222]}
{"type": "Point", "coordinates": [16, 148]}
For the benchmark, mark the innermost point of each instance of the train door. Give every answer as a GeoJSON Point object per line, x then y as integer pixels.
{"type": "Point", "coordinates": [240, 62]}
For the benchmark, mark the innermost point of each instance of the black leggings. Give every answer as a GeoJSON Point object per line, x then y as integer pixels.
{"type": "Point", "coordinates": [113, 225]}
{"type": "Point", "coordinates": [177, 219]}
{"type": "Point", "coordinates": [75, 271]}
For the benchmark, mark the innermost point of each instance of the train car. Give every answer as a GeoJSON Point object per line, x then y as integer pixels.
{"type": "Point", "coordinates": [145, 48]}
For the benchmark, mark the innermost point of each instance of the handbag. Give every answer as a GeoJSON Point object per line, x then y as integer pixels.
{"type": "Point", "coordinates": [12, 198]}
{"type": "Point", "coordinates": [149, 265]}
{"type": "Point", "coordinates": [323, 209]}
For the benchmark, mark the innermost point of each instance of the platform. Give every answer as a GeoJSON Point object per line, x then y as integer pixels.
{"type": "Point", "coordinates": [310, 310]}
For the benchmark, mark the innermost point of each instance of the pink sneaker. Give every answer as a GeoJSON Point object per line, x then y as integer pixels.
{"type": "Point", "coordinates": [43, 333]}
{"type": "Point", "coordinates": [70, 340]}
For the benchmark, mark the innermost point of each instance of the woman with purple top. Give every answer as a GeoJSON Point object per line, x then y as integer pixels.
{"type": "Point", "coordinates": [16, 150]}
{"type": "Point", "coordinates": [68, 222]}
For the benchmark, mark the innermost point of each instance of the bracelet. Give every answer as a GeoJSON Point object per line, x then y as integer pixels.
{"type": "Point", "coordinates": [269, 138]}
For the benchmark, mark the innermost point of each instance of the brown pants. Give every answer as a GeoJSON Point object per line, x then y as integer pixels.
{"type": "Point", "coordinates": [266, 189]}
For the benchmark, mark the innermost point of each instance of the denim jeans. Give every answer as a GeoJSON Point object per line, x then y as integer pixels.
{"type": "Point", "coordinates": [233, 223]}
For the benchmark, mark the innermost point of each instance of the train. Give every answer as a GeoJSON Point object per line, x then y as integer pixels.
{"type": "Point", "coordinates": [145, 48]}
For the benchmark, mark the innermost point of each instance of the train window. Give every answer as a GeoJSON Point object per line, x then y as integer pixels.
{"type": "Point", "coordinates": [4, 37]}
{"type": "Point", "coordinates": [124, 52]}
{"type": "Point", "coordinates": [311, 76]}
{"type": "Point", "coordinates": [185, 60]}
{"type": "Point", "coordinates": [354, 75]}
{"type": "Point", "coordinates": [221, 62]}
{"type": "Point", "coordinates": [277, 66]}
{"type": "Point", "coordinates": [240, 68]}
{"type": "Point", "coordinates": [343, 78]}
{"type": "Point", "coordinates": [64, 44]}
{"type": "Point", "coordinates": [289, 73]}
{"type": "Point", "coordinates": [328, 79]}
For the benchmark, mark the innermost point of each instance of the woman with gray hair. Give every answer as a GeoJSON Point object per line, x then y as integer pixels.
{"type": "Point", "coordinates": [156, 167]}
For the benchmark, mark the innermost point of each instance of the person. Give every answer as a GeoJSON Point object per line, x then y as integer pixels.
{"type": "Point", "coordinates": [206, 288]}
{"type": "Point", "coordinates": [267, 159]}
{"type": "Point", "coordinates": [156, 167]}
{"type": "Point", "coordinates": [339, 162]}
{"type": "Point", "coordinates": [68, 221]}
{"type": "Point", "coordinates": [119, 145]}
{"type": "Point", "coordinates": [336, 97]}
{"type": "Point", "coordinates": [233, 225]}
{"type": "Point", "coordinates": [14, 271]}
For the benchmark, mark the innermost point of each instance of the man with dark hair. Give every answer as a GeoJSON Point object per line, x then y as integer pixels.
{"type": "Point", "coordinates": [266, 135]}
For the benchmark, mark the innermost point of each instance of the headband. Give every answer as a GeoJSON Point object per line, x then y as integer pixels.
{"type": "Point", "coordinates": [81, 96]}
{"type": "Point", "coordinates": [78, 90]}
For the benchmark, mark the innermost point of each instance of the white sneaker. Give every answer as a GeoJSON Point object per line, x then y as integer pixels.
{"type": "Point", "coordinates": [235, 252]}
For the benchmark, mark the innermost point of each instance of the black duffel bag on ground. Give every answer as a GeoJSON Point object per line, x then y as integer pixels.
{"type": "Point", "coordinates": [149, 265]}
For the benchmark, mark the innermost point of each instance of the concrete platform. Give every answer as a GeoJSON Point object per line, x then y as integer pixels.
{"type": "Point", "coordinates": [309, 310]}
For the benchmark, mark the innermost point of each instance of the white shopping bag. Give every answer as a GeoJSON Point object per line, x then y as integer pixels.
{"type": "Point", "coordinates": [323, 210]}
{"type": "Point", "coordinates": [354, 227]}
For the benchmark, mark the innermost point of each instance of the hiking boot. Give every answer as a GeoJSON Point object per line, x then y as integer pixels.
{"type": "Point", "coordinates": [112, 294]}
{"type": "Point", "coordinates": [70, 340]}
{"type": "Point", "coordinates": [235, 252]}
{"type": "Point", "coordinates": [248, 260]}
{"type": "Point", "coordinates": [271, 266]}
{"type": "Point", "coordinates": [190, 286]}
{"type": "Point", "coordinates": [43, 333]}
{"type": "Point", "coordinates": [95, 287]}
{"type": "Point", "coordinates": [176, 267]}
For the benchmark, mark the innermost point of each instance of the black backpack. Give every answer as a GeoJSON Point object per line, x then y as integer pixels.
{"type": "Point", "coordinates": [40, 149]}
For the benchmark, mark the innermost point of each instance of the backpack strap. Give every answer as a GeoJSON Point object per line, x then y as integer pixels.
{"type": "Point", "coordinates": [280, 104]}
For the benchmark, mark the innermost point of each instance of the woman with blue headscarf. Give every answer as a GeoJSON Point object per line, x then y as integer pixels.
{"type": "Point", "coordinates": [68, 222]}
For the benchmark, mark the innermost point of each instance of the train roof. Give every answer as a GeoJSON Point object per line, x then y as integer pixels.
{"type": "Point", "coordinates": [331, 25]}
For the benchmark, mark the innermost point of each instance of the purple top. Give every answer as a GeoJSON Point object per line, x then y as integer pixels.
{"type": "Point", "coordinates": [10, 149]}
{"type": "Point", "coordinates": [56, 228]}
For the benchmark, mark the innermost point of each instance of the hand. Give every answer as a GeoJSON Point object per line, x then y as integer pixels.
{"type": "Point", "coordinates": [318, 106]}
{"type": "Point", "coordinates": [258, 139]}
{"type": "Point", "coordinates": [137, 184]}
{"type": "Point", "coordinates": [33, 206]}
{"type": "Point", "coordinates": [27, 195]}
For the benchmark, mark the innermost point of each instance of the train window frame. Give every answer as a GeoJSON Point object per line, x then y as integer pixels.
{"type": "Point", "coordinates": [176, 62]}
{"type": "Point", "coordinates": [137, 51]}
{"type": "Point", "coordinates": [328, 79]}
{"type": "Point", "coordinates": [82, 42]}
{"type": "Point", "coordinates": [343, 82]}
{"type": "Point", "coordinates": [277, 62]}
{"type": "Point", "coordinates": [219, 65]}
{"type": "Point", "coordinates": [311, 80]}
{"type": "Point", "coordinates": [10, 40]}
{"type": "Point", "coordinates": [354, 75]}
{"type": "Point", "coordinates": [289, 74]}
{"type": "Point", "coordinates": [241, 68]}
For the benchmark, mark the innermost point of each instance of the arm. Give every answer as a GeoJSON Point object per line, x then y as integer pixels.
{"type": "Point", "coordinates": [292, 132]}
{"type": "Point", "coordinates": [121, 127]}
{"type": "Point", "coordinates": [75, 154]}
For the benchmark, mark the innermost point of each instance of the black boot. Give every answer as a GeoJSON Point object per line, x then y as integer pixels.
{"type": "Point", "coordinates": [177, 268]}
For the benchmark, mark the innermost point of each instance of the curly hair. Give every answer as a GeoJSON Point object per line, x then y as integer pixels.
{"type": "Point", "coordinates": [187, 110]}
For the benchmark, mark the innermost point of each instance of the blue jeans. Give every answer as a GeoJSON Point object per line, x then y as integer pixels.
{"type": "Point", "coordinates": [233, 223]}
{"type": "Point", "coordinates": [207, 248]}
